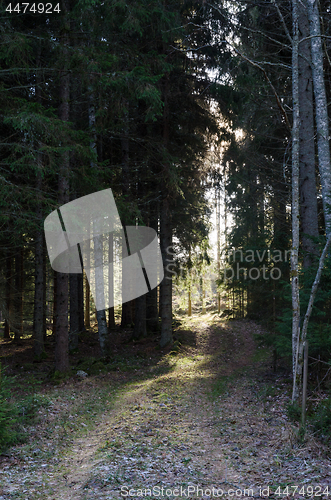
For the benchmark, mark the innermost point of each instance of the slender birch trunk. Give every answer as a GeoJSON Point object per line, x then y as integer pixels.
{"type": "Point", "coordinates": [301, 346]}
{"type": "Point", "coordinates": [322, 126]}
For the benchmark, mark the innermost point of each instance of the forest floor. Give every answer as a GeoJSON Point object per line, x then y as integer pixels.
{"type": "Point", "coordinates": [205, 420]}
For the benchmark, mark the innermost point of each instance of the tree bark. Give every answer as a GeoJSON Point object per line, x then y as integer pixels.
{"type": "Point", "coordinates": [152, 314]}
{"type": "Point", "coordinates": [127, 307]}
{"type": "Point", "coordinates": [140, 317]}
{"type": "Point", "coordinates": [321, 111]}
{"type": "Point", "coordinates": [100, 290]}
{"type": "Point", "coordinates": [166, 296]}
{"type": "Point", "coordinates": [74, 307]}
{"type": "Point", "coordinates": [295, 195]}
{"type": "Point", "coordinates": [308, 194]}
{"type": "Point", "coordinates": [166, 234]}
{"type": "Point", "coordinates": [8, 294]}
{"type": "Point", "coordinates": [80, 285]}
{"type": "Point", "coordinates": [218, 241]}
{"type": "Point", "coordinates": [45, 307]}
{"type": "Point", "coordinates": [38, 341]}
{"type": "Point", "coordinates": [111, 310]}
{"type": "Point", "coordinates": [18, 322]}
{"type": "Point", "coordinates": [62, 289]}
{"type": "Point", "coordinates": [87, 302]}
{"type": "Point", "coordinates": [54, 303]}
{"type": "Point", "coordinates": [300, 351]}
{"type": "Point", "coordinates": [74, 312]}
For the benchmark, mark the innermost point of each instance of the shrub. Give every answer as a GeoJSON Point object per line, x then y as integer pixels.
{"type": "Point", "coordinates": [321, 421]}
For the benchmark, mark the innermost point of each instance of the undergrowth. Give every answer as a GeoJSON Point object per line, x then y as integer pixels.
{"type": "Point", "coordinates": [15, 414]}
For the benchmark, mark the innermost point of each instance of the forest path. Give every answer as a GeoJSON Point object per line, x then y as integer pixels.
{"type": "Point", "coordinates": [202, 418]}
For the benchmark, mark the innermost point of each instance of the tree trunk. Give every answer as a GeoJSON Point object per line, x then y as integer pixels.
{"type": "Point", "coordinates": [8, 295]}
{"type": "Point", "coordinates": [166, 235]}
{"type": "Point", "coordinates": [45, 308]}
{"type": "Point", "coordinates": [103, 332]}
{"type": "Point", "coordinates": [218, 242]}
{"type": "Point", "coordinates": [80, 286]}
{"type": "Point", "coordinates": [203, 296]}
{"type": "Point", "coordinates": [295, 196]}
{"type": "Point", "coordinates": [189, 308]}
{"type": "Point", "coordinates": [54, 303]}
{"type": "Point", "coordinates": [140, 317]}
{"type": "Point", "coordinates": [62, 291]}
{"type": "Point", "coordinates": [100, 290]}
{"type": "Point", "coordinates": [87, 302]}
{"type": "Point", "coordinates": [18, 321]}
{"type": "Point", "coordinates": [111, 310]}
{"type": "Point", "coordinates": [300, 351]}
{"type": "Point", "coordinates": [74, 312]}
{"type": "Point", "coordinates": [127, 316]}
{"type": "Point", "coordinates": [39, 319]}
{"type": "Point", "coordinates": [38, 341]}
{"type": "Point", "coordinates": [308, 195]}
{"type": "Point", "coordinates": [74, 306]}
{"type": "Point", "coordinates": [166, 296]}
{"type": "Point", "coordinates": [321, 110]}
{"type": "Point", "coordinates": [152, 315]}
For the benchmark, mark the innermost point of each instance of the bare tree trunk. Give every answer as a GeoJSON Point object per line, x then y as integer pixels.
{"type": "Point", "coordinates": [140, 317]}
{"type": "Point", "coordinates": [38, 342]}
{"type": "Point", "coordinates": [18, 294]}
{"type": "Point", "coordinates": [100, 291]}
{"type": "Point", "coordinates": [74, 312]}
{"type": "Point", "coordinates": [127, 316]}
{"type": "Point", "coordinates": [45, 308]}
{"type": "Point", "coordinates": [295, 196]}
{"type": "Point", "coordinates": [54, 303]}
{"type": "Point", "coordinates": [80, 285]}
{"type": "Point", "coordinates": [308, 195]}
{"type": "Point", "coordinates": [321, 111]}
{"type": "Point", "coordinates": [87, 302]}
{"type": "Point", "coordinates": [40, 261]}
{"type": "Point", "coordinates": [203, 295]}
{"type": "Point", "coordinates": [8, 294]}
{"type": "Point", "coordinates": [62, 289]}
{"type": "Point", "coordinates": [218, 242]}
{"type": "Point", "coordinates": [111, 310]}
{"type": "Point", "coordinates": [166, 237]}
{"type": "Point", "coordinates": [152, 313]}
{"type": "Point", "coordinates": [189, 308]}
{"type": "Point", "coordinates": [166, 249]}
{"type": "Point", "coordinates": [74, 307]}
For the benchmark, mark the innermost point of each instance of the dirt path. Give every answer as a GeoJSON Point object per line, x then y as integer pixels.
{"type": "Point", "coordinates": [201, 423]}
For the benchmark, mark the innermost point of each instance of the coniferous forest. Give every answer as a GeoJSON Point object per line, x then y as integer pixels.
{"type": "Point", "coordinates": [209, 122]}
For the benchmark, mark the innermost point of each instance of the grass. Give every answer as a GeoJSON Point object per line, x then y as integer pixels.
{"type": "Point", "coordinates": [219, 387]}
